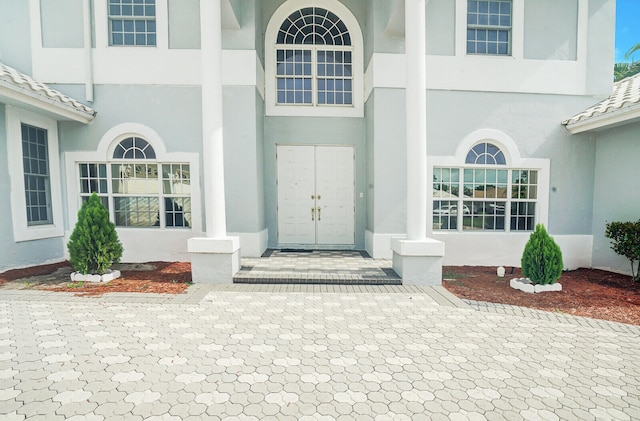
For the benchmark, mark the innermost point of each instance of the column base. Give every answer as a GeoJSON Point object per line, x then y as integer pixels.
{"type": "Point", "coordinates": [214, 260]}
{"type": "Point", "coordinates": [418, 262]}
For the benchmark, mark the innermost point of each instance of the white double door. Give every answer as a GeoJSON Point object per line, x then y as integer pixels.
{"type": "Point", "coordinates": [316, 203]}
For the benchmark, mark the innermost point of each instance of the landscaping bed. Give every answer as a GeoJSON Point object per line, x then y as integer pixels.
{"type": "Point", "coordinates": [585, 292]}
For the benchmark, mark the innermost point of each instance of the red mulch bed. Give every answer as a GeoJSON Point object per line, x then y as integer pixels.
{"type": "Point", "coordinates": [585, 292]}
{"type": "Point", "coordinates": [151, 277]}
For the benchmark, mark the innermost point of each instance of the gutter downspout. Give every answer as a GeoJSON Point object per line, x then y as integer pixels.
{"type": "Point", "coordinates": [86, 9]}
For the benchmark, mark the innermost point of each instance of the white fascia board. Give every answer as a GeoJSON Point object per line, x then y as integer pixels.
{"type": "Point", "coordinates": [11, 93]}
{"type": "Point", "coordinates": [623, 116]}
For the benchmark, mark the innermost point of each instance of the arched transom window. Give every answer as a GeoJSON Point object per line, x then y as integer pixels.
{"type": "Point", "coordinates": [314, 60]}
{"type": "Point", "coordinates": [484, 194]}
{"type": "Point", "coordinates": [138, 190]}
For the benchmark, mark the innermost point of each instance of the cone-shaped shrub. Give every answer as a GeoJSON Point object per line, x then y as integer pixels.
{"type": "Point", "coordinates": [94, 245]}
{"type": "Point", "coordinates": [542, 258]}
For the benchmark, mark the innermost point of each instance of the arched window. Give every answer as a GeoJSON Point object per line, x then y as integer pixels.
{"type": "Point", "coordinates": [316, 61]}
{"type": "Point", "coordinates": [313, 59]}
{"type": "Point", "coordinates": [485, 154]}
{"type": "Point", "coordinates": [484, 194]}
{"type": "Point", "coordinates": [139, 190]}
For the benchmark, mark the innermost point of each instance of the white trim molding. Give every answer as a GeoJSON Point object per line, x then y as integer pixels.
{"type": "Point", "coordinates": [357, 42]}
{"type": "Point", "coordinates": [21, 230]}
{"type": "Point", "coordinates": [513, 161]}
{"type": "Point", "coordinates": [170, 243]}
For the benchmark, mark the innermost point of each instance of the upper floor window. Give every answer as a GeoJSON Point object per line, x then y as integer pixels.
{"type": "Point", "coordinates": [132, 22]}
{"type": "Point", "coordinates": [489, 27]}
{"type": "Point", "coordinates": [314, 60]}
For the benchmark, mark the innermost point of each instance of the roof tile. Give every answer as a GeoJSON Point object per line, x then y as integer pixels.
{"type": "Point", "coordinates": [626, 93]}
{"type": "Point", "coordinates": [20, 80]}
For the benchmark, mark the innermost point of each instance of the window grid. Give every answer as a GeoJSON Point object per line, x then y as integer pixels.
{"type": "Point", "coordinates": [35, 161]}
{"type": "Point", "coordinates": [132, 22]}
{"type": "Point", "coordinates": [489, 27]}
{"type": "Point", "coordinates": [140, 195]}
{"type": "Point", "coordinates": [490, 197]}
{"type": "Point", "coordinates": [294, 76]}
{"type": "Point", "coordinates": [313, 25]}
{"type": "Point", "coordinates": [485, 154]}
{"type": "Point", "coordinates": [312, 74]}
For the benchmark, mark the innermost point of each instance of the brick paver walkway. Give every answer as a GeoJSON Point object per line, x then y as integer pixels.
{"type": "Point", "coordinates": [321, 353]}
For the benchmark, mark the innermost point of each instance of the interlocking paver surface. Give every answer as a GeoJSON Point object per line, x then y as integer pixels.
{"type": "Point", "coordinates": [377, 354]}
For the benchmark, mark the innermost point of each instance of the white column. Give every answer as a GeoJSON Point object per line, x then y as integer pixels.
{"type": "Point", "coordinates": [216, 257]}
{"type": "Point", "coordinates": [416, 105]}
{"type": "Point", "coordinates": [212, 148]}
{"type": "Point", "coordinates": [416, 258]}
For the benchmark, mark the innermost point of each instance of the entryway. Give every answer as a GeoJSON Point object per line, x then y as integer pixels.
{"type": "Point", "coordinates": [319, 267]}
{"type": "Point", "coordinates": [316, 196]}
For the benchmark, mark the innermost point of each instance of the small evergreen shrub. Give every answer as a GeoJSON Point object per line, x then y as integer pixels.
{"type": "Point", "coordinates": [542, 258]}
{"type": "Point", "coordinates": [94, 245]}
{"type": "Point", "coordinates": [625, 241]}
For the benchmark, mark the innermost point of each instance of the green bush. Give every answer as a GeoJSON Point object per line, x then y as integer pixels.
{"type": "Point", "coordinates": [625, 241]}
{"type": "Point", "coordinates": [542, 258]}
{"type": "Point", "coordinates": [94, 245]}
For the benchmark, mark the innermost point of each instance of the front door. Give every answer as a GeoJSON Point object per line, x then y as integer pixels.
{"type": "Point", "coordinates": [316, 203]}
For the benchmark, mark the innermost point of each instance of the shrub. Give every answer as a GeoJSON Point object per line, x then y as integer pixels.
{"type": "Point", "coordinates": [625, 241]}
{"type": "Point", "coordinates": [542, 258]}
{"type": "Point", "coordinates": [94, 245]}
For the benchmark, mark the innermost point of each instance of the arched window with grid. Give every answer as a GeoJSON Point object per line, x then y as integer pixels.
{"type": "Point", "coordinates": [314, 60]}
{"type": "Point", "coordinates": [140, 191]}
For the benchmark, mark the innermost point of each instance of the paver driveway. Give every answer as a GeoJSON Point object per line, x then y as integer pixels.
{"type": "Point", "coordinates": [304, 355]}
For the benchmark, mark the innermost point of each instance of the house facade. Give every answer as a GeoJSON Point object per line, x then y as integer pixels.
{"type": "Point", "coordinates": [300, 124]}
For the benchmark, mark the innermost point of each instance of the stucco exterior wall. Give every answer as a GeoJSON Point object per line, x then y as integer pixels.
{"type": "Point", "coordinates": [616, 190]}
{"type": "Point", "coordinates": [15, 35]}
{"type": "Point", "coordinates": [184, 24]}
{"type": "Point", "coordinates": [62, 25]}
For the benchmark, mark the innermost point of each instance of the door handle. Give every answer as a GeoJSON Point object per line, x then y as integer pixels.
{"type": "Point", "coordinates": [319, 209]}
{"type": "Point", "coordinates": [313, 214]}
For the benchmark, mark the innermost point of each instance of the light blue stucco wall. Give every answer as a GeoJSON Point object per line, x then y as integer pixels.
{"type": "Point", "coordinates": [532, 121]}
{"type": "Point", "coordinates": [441, 17]}
{"type": "Point", "coordinates": [184, 23]}
{"type": "Point", "coordinates": [15, 35]}
{"type": "Point", "coordinates": [616, 190]}
{"type": "Point", "coordinates": [62, 25]}
{"type": "Point", "coordinates": [388, 178]}
{"type": "Point", "coordinates": [243, 150]}
{"type": "Point", "coordinates": [314, 131]}
{"type": "Point", "coordinates": [551, 29]}
{"type": "Point", "coordinates": [24, 253]}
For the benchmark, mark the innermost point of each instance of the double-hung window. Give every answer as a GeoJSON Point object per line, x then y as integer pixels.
{"type": "Point", "coordinates": [138, 190]}
{"type": "Point", "coordinates": [484, 194]}
{"type": "Point", "coordinates": [489, 27]}
{"type": "Point", "coordinates": [132, 22]}
{"type": "Point", "coordinates": [314, 60]}
{"type": "Point", "coordinates": [37, 179]}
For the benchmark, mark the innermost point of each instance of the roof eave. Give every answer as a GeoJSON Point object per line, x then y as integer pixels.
{"type": "Point", "coordinates": [622, 116]}
{"type": "Point", "coordinates": [61, 110]}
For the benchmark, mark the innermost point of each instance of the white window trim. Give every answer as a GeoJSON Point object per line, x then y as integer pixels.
{"type": "Point", "coordinates": [21, 229]}
{"type": "Point", "coordinates": [102, 31]}
{"type": "Point", "coordinates": [513, 160]}
{"type": "Point", "coordinates": [104, 154]}
{"type": "Point", "coordinates": [357, 43]}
